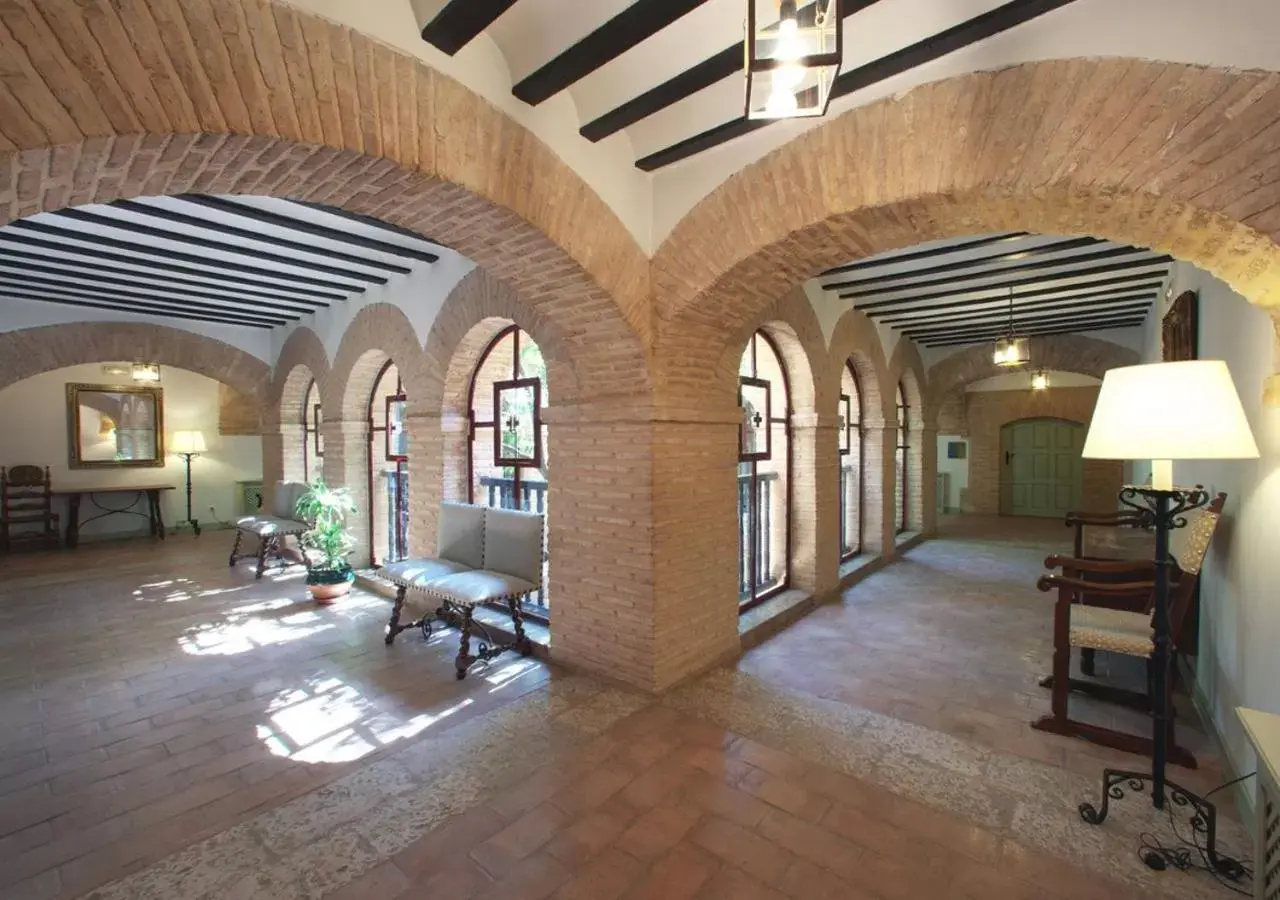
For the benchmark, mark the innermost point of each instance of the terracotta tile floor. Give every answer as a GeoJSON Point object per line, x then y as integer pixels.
{"type": "Point", "coordinates": [176, 730]}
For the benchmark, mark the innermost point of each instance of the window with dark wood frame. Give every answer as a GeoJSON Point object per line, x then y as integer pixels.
{"type": "Point", "coordinates": [494, 479]}
{"type": "Point", "coordinates": [902, 519]}
{"type": "Point", "coordinates": [851, 445]}
{"type": "Point", "coordinates": [311, 444]}
{"type": "Point", "coordinates": [397, 476]}
{"type": "Point", "coordinates": [764, 493]}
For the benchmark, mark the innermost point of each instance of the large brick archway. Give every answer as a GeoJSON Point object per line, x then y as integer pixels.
{"type": "Point", "coordinates": [251, 96]}
{"type": "Point", "coordinates": [30, 351]}
{"type": "Point", "coordinates": [302, 360]}
{"type": "Point", "coordinates": [1062, 352]}
{"type": "Point", "coordinates": [1065, 147]}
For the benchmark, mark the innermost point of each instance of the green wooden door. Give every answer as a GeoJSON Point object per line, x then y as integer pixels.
{"type": "Point", "coordinates": [1043, 472]}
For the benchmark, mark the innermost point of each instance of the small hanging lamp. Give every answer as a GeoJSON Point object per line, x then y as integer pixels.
{"type": "Point", "coordinates": [1040, 380]}
{"type": "Point", "coordinates": [1011, 351]}
{"type": "Point", "coordinates": [792, 57]}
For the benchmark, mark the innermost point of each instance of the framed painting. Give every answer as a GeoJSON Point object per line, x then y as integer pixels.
{"type": "Point", "coordinates": [115, 426]}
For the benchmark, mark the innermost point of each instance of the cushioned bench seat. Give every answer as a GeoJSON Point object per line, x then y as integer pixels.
{"type": "Point", "coordinates": [483, 555]}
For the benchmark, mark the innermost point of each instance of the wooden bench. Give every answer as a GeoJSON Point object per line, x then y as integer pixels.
{"type": "Point", "coordinates": [483, 555]}
{"type": "Point", "coordinates": [270, 530]}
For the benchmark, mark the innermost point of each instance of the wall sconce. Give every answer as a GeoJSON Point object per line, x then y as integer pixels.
{"type": "Point", "coordinates": [1040, 381]}
{"type": "Point", "coordinates": [146, 373]}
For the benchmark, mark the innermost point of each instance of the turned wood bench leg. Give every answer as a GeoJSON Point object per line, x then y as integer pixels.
{"type": "Point", "coordinates": [393, 626]}
{"type": "Point", "coordinates": [465, 659]}
{"type": "Point", "coordinates": [522, 644]}
{"type": "Point", "coordinates": [235, 548]}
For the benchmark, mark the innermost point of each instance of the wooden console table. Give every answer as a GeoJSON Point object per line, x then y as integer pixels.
{"type": "Point", "coordinates": [149, 492]}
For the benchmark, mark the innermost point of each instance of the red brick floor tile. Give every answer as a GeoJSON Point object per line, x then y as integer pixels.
{"type": "Point", "coordinates": [812, 842]}
{"type": "Point", "coordinates": [584, 794]}
{"type": "Point", "coordinates": [946, 829]}
{"type": "Point", "coordinates": [659, 830]}
{"type": "Point", "coordinates": [785, 795]}
{"type": "Point", "coordinates": [457, 879]}
{"type": "Point", "coordinates": [725, 801]}
{"type": "Point", "coordinates": [734, 884]}
{"type": "Point", "coordinates": [382, 882]}
{"type": "Point", "coordinates": [678, 875]}
{"type": "Point", "coordinates": [607, 876]}
{"type": "Point", "coordinates": [534, 878]}
{"type": "Point", "coordinates": [503, 852]}
{"type": "Point", "coordinates": [775, 762]}
{"type": "Point", "coordinates": [586, 837]}
{"type": "Point", "coordinates": [742, 848]}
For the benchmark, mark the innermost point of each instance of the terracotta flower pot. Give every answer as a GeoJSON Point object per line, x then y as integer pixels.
{"type": "Point", "coordinates": [326, 594]}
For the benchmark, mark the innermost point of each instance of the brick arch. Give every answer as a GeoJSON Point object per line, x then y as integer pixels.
{"type": "Point", "coordinates": [379, 332]}
{"type": "Point", "coordinates": [855, 339]}
{"type": "Point", "coordinates": [30, 351]}
{"type": "Point", "coordinates": [970, 155]}
{"type": "Point", "coordinates": [906, 367]}
{"type": "Point", "coordinates": [1063, 352]}
{"type": "Point", "coordinates": [301, 360]}
{"type": "Point", "coordinates": [237, 100]}
{"type": "Point", "coordinates": [793, 325]}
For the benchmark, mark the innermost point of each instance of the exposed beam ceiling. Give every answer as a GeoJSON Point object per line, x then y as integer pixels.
{"type": "Point", "coordinates": [1058, 284]}
{"type": "Point", "coordinates": [129, 256]}
{"type": "Point", "coordinates": [459, 22]}
{"type": "Point", "coordinates": [1101, 324]}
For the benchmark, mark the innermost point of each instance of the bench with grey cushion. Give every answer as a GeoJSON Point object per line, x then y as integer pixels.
{"type": "Point", "coordinates": [483, 555]}
{"type": "Point", "coordinates": [271, 530]}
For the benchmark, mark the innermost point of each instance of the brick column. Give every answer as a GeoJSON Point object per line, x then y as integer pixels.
{"type": "Point", "coordinates": [426, 452]}
{"type": "Point", "coordinates": [695, 542]}
{"type": "Point", "coordinates": [927, 523]}
{"type": "Point", "coordinates": [346, 462]}
{"type": "Point", "coordinates": [600, 519]}
{"type": "Point", "coordinates": [815, 502]}
{"type": "Point", "coordinates": [878, 443]}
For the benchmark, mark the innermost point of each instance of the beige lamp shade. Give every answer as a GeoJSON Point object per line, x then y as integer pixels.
{"type": "Point", "coordinates": [187, 442]}
{"type": "Point", "coordinates": [1168, 411]}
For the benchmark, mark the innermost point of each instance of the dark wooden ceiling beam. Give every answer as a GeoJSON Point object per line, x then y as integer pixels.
{"type": "Point", "coordinates": [81, 215]}
{"type": "Point", "coordinates": [1029, 321]}
{"type": "Point", "coordinates": [960, 265]}
{"type": "Point", "coordinates": [1043, 283]}
{"type": "Point", "coordinates": [96, 256]}
{"type": "Point", "coordinates": [925, 254]}
{"type": "Point", "coordinates": [314, 230]}
{"type": "Point", "coordinates": [1035, 306]}
{"type": "Point", "coordinates": [165, 214]}
{"type": "Point", "coordinates": [165, 253]}
{"type": "Point", "coordinates": [634, 25]}
{"type": "Point", "coordinates": [24, 268]}
{"type": "Point", "coordinates": [980, 339]}
{"type": "Point", "coordinates": [1100, 288]}
{"type": "Point", "coordinates": [460, 21]}
{"type": "Point", "coordinates": [135, 308]}
{"type": "Point", "coordinates": [131, 298]}
{"type": "Point", "coordinates": [1051, 268]}
{"type": "Point", "coordinates": [1079, 323]}
{"type": "Point", "coordinates": [979, 28]}
{"type": "Point", "coordinates": [701, 76]}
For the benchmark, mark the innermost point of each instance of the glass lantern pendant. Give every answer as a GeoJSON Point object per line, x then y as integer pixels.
{"type": "Point", "coordinates": [1040, 381]}
{"type": "Point", "coordinates": [1011, 352]}
{"type": "Point", "coordinates": [792, 57]}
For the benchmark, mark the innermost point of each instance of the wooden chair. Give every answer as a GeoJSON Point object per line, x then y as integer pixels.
{"type": "Point", "coordinates": [26, 498]}
{"type": "Point", "coordinates": [1121, 624]}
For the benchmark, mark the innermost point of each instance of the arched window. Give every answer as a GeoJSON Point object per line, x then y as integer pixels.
{"type": "Point", "coordinates": [507, 458]}
{"type": "Point", "coordinates": [850, 463]}
{"type": "Point", "coordinates": [388, 468]}
{"type": "Point", "coordinates": [900, 516]}
{"type": "Point", "coordinates": [312, 441]}
{"type": "Point", "coordinates": [764, 473]}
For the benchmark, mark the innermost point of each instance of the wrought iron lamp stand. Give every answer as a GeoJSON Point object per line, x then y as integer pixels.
{"type": "Point", "coordinates": [1163, 509]}
{"type": "Point", "coordinates": [195, 526]}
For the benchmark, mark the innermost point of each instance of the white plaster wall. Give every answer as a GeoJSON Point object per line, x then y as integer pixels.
{"type": "Point", "coordinates": [37, 434]}
{"type": "Point", "coordinates": [1237, 663]}
{"type": "Point", "coordinates": [18, 314]}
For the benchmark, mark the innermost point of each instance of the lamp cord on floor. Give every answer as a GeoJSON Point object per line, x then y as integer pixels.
{"type": "Point", "coordinates": [1228, 871]}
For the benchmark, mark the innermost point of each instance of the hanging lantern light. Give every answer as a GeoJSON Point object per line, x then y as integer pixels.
{"type": "Point", "coordinates": [792, 57]}
{"type": "Point", "coordinates": [1011, 351]}
{"type": "Point", "coordinates": [1040, 380]}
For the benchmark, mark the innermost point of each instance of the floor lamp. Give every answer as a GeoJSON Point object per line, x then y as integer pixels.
{"type": "Point", "coordinates": [188, 444]}
{"type": "Point", "coordinates": [1162, 412]}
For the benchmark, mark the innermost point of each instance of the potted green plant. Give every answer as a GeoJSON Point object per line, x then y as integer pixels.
{"type": "Point", "coordinates": [326, 544]}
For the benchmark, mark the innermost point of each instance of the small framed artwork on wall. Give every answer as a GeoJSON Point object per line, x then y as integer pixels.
{"type": "Point", "coordinates": [957, 450]}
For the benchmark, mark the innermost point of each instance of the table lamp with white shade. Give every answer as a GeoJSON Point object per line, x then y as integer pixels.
{"type": "Point", "coordinates": [188, 444]}
{"type": "Point", "coordinates": [1164, 412]}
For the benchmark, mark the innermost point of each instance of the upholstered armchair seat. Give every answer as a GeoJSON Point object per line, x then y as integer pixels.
{"type": "Point", "coordinates": [1113, 630]}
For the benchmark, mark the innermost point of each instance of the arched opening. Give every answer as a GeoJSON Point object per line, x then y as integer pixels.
{"type": "Point", "coordinates": [506, 437]}
{"type": "Point", "coordinates": [312, 439]}
{"type": "Point", "coordinates": [901, 464]}
{"type": "Point", "coordinates": [388, 455]}
{"type": "Point", "coordinates": [852, 480]}
{"type": "Point", "coordinates": [764, 473]}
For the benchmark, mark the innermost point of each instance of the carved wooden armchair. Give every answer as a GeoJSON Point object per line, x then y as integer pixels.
{"type": "Point", "coordinates": [26, 498]}
{"type": "Point", "coordinates": [1122, 624]}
